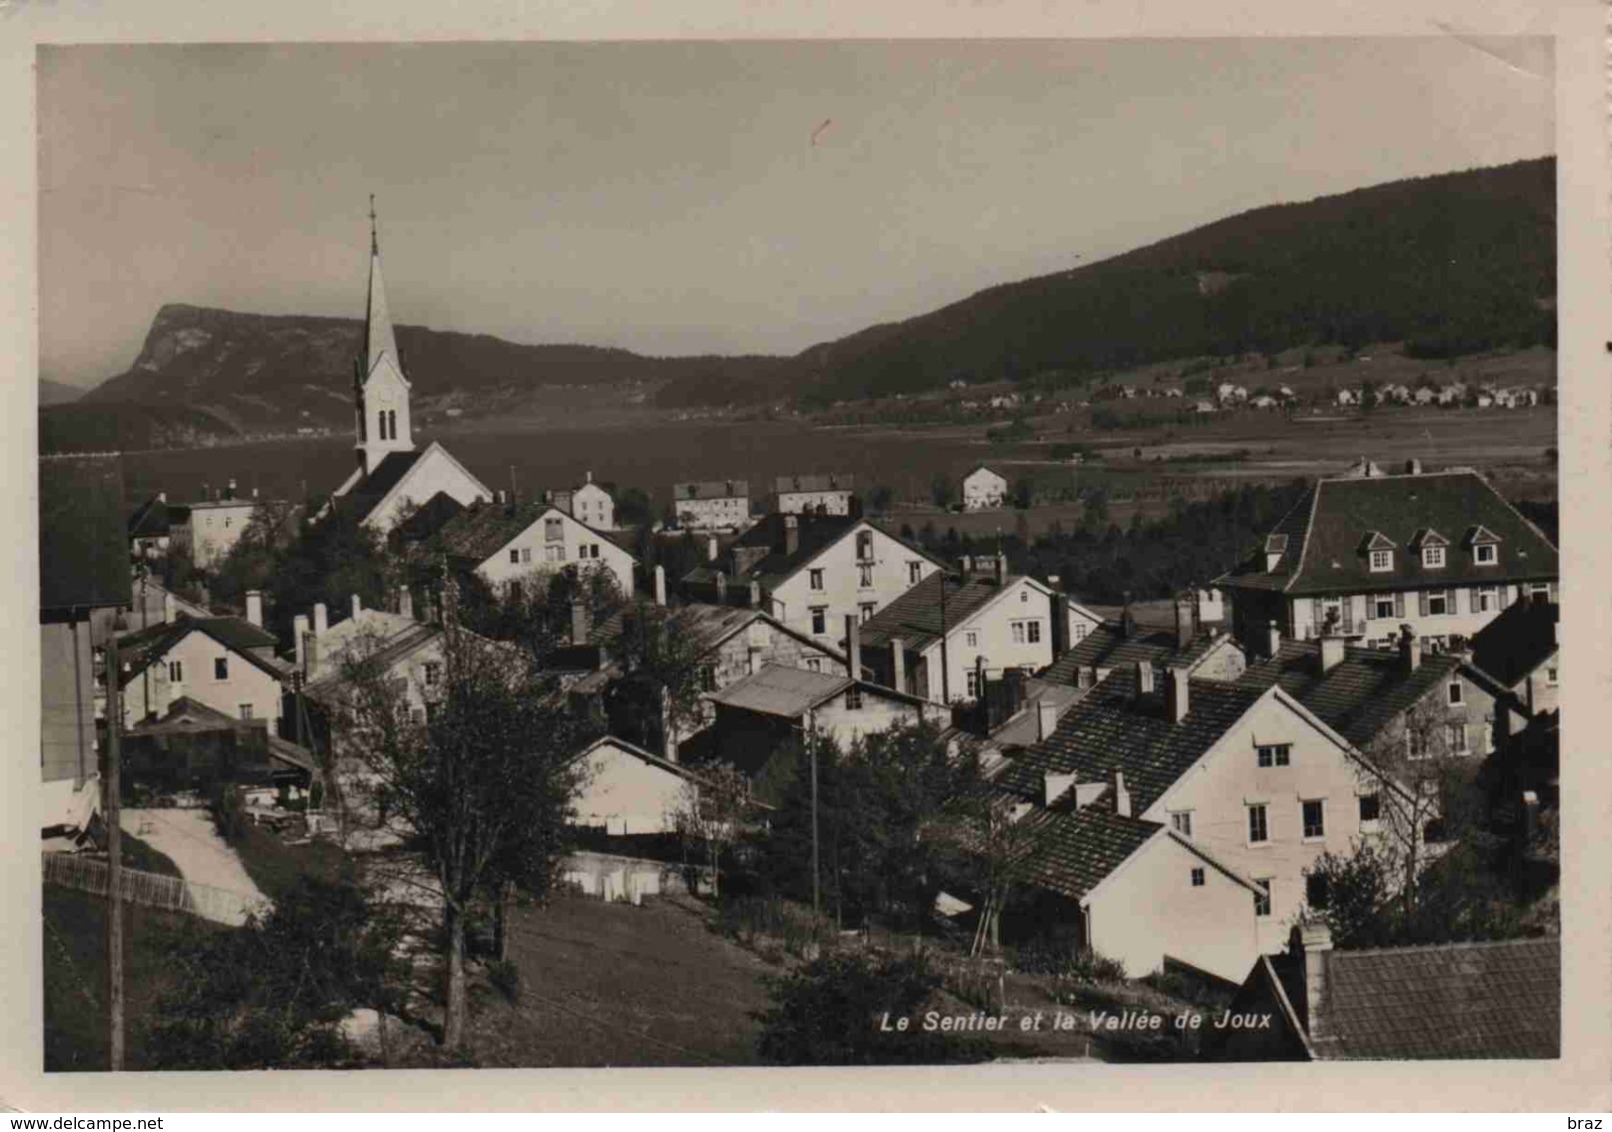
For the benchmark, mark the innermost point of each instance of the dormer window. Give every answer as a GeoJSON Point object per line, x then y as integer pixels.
{"type": "Point", "coordinates": [1382, 561]}
{"type": "Point", "coordinates": [1485, 554]}
{"type": "Point", "coordinates": [1379, 551]}
{"type": "Point", "coordinates": [1433, 557]}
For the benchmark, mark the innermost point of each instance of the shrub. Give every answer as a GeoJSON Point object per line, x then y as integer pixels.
{"type": "Point", "coordinates": [1067, 961]}
{"type": "Point", "coordinates": [228, 811]}
{"type": "Point", "coordinates": [505, 977]}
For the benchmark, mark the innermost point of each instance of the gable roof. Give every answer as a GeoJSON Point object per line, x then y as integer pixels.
{"type": "Point", "coordinates": [388, 651]}
{"type": "Point", "coordinates": [1115, 728]}
{"type": "Point", "coordinates": [1518, 641]}
{"type": "Point", "coordinates": [370, 491]}
{"type": "Point", "coordinates": [1105, 646]}
{"type": "Point", "coordinates": [777, 689]}
{"type": "Point", "coordinates": [709, 489]}
{"type": "Point", "coordinates": [150, 519]}
{"type": "Point", "coordinates": [772, 566]}
{"type": "Point", "coordinates": [709, 626]}
{"type": "Point", "coordinates": [429, 518]}
{"type": "Point", "coordinates": [914, 618]}
{"type": "Point", "coordinates": [1071, 852]}
{"type": "Point", "coordinates": [978, 468]}
{"type": "Point", "coordinates": [139, 650]}
{"type": "Point", "coordinates": [1495, 999]}
{"type": "Point", "coordinates": [638, 753]}
{"type": "Point", "coordinates": [823, 481]}
{"type": "Point", "coordinates": [83, 544]}
{"type": "Point", "coordinates": [483, 529]}
{"type": "Point", "coordinates": [1339, 519]}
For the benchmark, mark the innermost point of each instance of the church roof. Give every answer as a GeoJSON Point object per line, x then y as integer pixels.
{"type": "Point", "coordinates": [379, 340]}
{"type": "Point", "coordinates": [369, 492]}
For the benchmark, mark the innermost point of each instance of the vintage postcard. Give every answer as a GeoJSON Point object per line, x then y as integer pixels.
{"type": "Point", "coordinates": [1043, 556]}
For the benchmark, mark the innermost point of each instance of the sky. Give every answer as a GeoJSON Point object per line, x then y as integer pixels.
{"type": "Point", "coordinates": [685, 198]}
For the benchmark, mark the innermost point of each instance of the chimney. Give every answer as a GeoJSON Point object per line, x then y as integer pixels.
{"type": "Point", "coordinates": [588, 477]}
{"type": "Point", "coordinates": [579, 622]}
{"type": "Point", "coordinates": [1144, 677]}
{"type": "Point", "coordinates": [1413, 467]}
{"type": "Point", "coordinates": [1273, 637]}
{"type": "Point", "coordinates": [1410, 648]}
{"type": "Point", "coordinates": [965, 565]}
{"type": "Point", "coordinates": [254, 607]}
{"type": "Point", "coordinates": [1088, 792]}
{"type": "Point", "coordinates": [1127, 623]}
{"type": "Point", "coordinates": [1310, 944]}
{"type": "Point", "coordinates": [853, 646]}
{"type": "Point", "coordinates": [1530, 814]}
{"type": "Point", "coordinates": [229, 492]}
{"type": "Point", "coordinates": [1331, 651]}
{"type": "Point", "coordinates": [721, 588]}
{"type": "Point", "coordinates": [898, 665]}
{"type": "Point", "coordinates": [755, 595]}
{"type": "Point", "coordinates": [1122, 796]}
{"type": "Point", "coordinates": [791, 534]}
{"type": "Point", "coordinates": [1055, 786]}
{"type": "Point", "coordinates": [405, 602]}
{"type": "Point", "coordinates": [1046, 718]}
{"type": "Point", "coordinates": [254, 493]}
{"type": "Point", "coordinates": [311, 653]}
{"type": "Point", "coordinates": [299, 631]}
{"type": "Point", "coordinates": [710, 549]}
{"type": "Point", "coordinates": [320, 620]}
{"type": "Point", "coordinates": [1183, 622]}
{"type": "Point", "coordinates": [660, 584]}
{"type": "Point", "coordinates": [358, 605]}
{"type": "Point", "coordinates": [1000, 563]}
{"type": "Point", "coordinates": [170, 609]}
{"type": "Point", "coordinates": [498, 497]}
{"type": "Point", "coordinates": [1177, 694]}
{"type": "Point", "coordinates": [162, 497]}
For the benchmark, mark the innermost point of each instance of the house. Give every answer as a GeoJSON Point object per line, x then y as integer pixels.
{"type": "Point", "coordinates": [208, 529]}
{"type": "Point", "coordinates": [83, 573]}
{"type": "Point", "coordinates": [152, 603]}
{"type": "Point", "coordinates": [947, 635]}
{"type": "Point", "coordinates": [627, 791]}
{"type": "Point", "coordinates": [1425, 395]}
{"type": "Point", "coordinates": [829, 494]}
{"type": "Point", "coordinates": [1499, 999]}
{"type": "Point", "coordinates": [225, 663]}
{"type": "Point", "coordinates": [713, 505]}
{"type": "Point", "coordinates": [983, 489]}
{"type": "Point", "coordinates": [1348, 397]}
{"type": "Point", "coordinates": [1133, 890]}
{"type": "Point", "coordinates": [593, 506]}
{"type": "Point", "coordinates": [1440, 551]}
{"type": "Point", "coordinates": [1205, 651]}
{"type": "Point", "coordinates": [149, 527]}
{"type": "Point", "coordinates": [1264, 401]}
{"type": "Point", "coordinates": [1078, 621]}
{"type": "Point", "coordinates": [1452, 394]}
{"type": "Point", "coordinates": [392, 476]}
{"type": "Point", "coordinates": [1203, 407]}
{"type": "Point", "coordinates": [763, 719]}
{"type": "Point", "coordinates": [192, 744]}
{"type": "Point", "coordinates": [1249, 774]}
{"type": "Point", "coordinates": [1521, 650]}
{"type": "Point", "coordinates": [1226, 391]}
{"type": "Point", "coordinates": [511, 545]}
{"type": "Point", "coordinates": [810, 571]}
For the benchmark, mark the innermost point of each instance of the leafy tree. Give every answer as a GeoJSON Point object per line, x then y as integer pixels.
{"type": "Point", "coordinates": [657, 699]}
{"type": "Point", "coordinates": [483, 785]}
{"type": "Point", "coordinates": [880, 497]}
{"type": "Point", "coordinates": [634, 508]}
{"type": "Point", "coordinates": [940, 490]}
{"type": "Point", "coordinates": [1024, 493]}
{"type": "Point", "coordinates": [273, 994]}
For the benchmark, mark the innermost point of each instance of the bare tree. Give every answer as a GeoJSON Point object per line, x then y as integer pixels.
{"type": "Point", "coordinates": [710, 814]}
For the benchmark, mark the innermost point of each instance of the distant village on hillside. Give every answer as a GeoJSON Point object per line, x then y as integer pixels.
{"type": "Point", "coordinates": [470, 739]}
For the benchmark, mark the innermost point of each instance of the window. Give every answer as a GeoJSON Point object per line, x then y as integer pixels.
{"type": "Point", "coordinates": [1550, 676]}
{"type": "Point", "coordinates": [433, 673]}
{"type": "Point", "coordinates": [971, 639]}
{"type": "Point", "coordinates": [554, 554]}
{"type": "Point", "coordinates": [1438, 602]}
{"type": "Point", "coordinates": [526, 554]}
{"type": "Point", "coordinates": [867, 612]}
{"type": "Point", "coordinates": [1274, 754]}
{"type": "Point", "coordinates": [553, 530]}
{"type": "Point", "coordinates": [1262, 898]}
{"type": "Point", "coordinates": [819, 619]}
{"type": "Point", "coordinates": [1454, 693]}
{"type": "Point", "coordinates": [707, 677]}
{"type": "Point", "coordinates": [915, 573]}
{"type": "Point", "coordinates": [1433, 557]}
{"type": "Point", "coordinates": [1182, 823]}
{"type": "Point", "coordinates": [221, 668]}
{"type": "Point", "coordinates": [815, 579]}
{"type": "Point", "coordinates": [246, 711]}
{"type": "Point", "coordinates": [1381, 560]}
{"type": "Point", "coordinates": [1081, 628]}
{"type": "Point", "coordinates": [176, 672]}
{"type": "Point", "coordinates": [1315, 822]}
{"type": "Point", "coordinates": [814, 664]}
{"type": "Point", "coordinates": [864, 575]}
{"type": "Point", "coordinates": [864, 546]}
{"type": "Point", "coordinates": [1383, 606]}
{"type": "Point", "coordinates": [1416, 743]}
{"type": "Point", "coordinates": [515, 591]}
{"type": "Point", "coordinates": [1024, 597]}
{"type": "Point", "coordinates": [1455, 733]}
{"type": "Point", "coordinates": [1032, 631]}
{"type": "Point", "coordinates": [515, 556]}
{"type": "Point", "coordinates": [1197, 878]}
{"type": "Point", "coordinates": [1370, 808]}
{"type": "Point", "coordinates": [1485, 554]}
{"type": "Point", "coordinates": [1258, 828]}
{"type": "Point", "coordinates": [1488, 599]}
{"type": "Point", "coordinates": [853, 698]}
{"type": "Point", "coordinates": [1315, 890]}
{"type": "Point", "coordinates": [973, 683]}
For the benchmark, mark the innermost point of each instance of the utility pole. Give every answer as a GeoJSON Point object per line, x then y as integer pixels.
{"type": "Point", "coordinates": [110, 787]}
{"type": "Point", "coordinates": [945, 667]}
{"type": "Point", "coordinates": [811, 746]}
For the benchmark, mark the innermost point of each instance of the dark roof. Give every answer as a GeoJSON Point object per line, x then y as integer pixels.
{"type": "Point", "coordinates": [709, 489]}
{"type": "Point", "coordinates": [1106, 646]}
{"type": "Point", "coordinates": [783, 691]}
{"type": "Point", "coordinates": [914, 617]}
{"type": "Point", "coordinates": [1518, 641]}
{"type": "Point", "coordinates": [83, 540]}
{"type": "Point", "coordinates": [137, 650]}
{"type": "Point", "coordinates": [333, 684]}
{"type": "Point", "coordinates": [1114, 728]}
{"type": "Point", "coordinates": [479, 531]}
{"type": "Point", "coordinates": [816, 532]}
{"type": "Point", "coordinates": [1480, 1000]}
{"type": "Point", "coordinates": [429, 518]}
{"type": "Point", "coordinates": [1071, 852]}
{"type": "Point", "coordinates": [828, 481]}
{"type": "Point", "coordinates": [1331, 528]}
{"type": "Point", "coordinates": [150, 519]}
{"type": "Point", "coordinates": [1361, 694]}
{"type": "Point", "coordinates": [369, 491]}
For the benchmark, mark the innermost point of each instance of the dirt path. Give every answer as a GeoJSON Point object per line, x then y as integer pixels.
{"type": "Point", "coordinates": [187, 838]}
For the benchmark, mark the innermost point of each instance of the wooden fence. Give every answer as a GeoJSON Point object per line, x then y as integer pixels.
{"type": "Point", "coordinates": [151, 889]}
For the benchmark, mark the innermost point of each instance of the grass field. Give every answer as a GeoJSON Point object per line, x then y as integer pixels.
{"type": "Point", "coordinates": [273, 865]}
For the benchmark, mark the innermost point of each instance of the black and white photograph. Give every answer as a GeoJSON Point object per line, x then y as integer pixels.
{"type": "Point", "coordinates": [800, 553]}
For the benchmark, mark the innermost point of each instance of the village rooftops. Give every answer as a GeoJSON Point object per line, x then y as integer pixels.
{"type": "Point", "coordinates": [187, 716]}
{"type": "Point", "coordinates": [764, 552]}
{"type": "Point", "coordinates": [1107, 646]}
{"type": "Point", "coordinates": [479, 531]}
{"type": "Point", "coordinates": [705, 626]}
{"type": "Point", "coordinates": [818, 482]}
{"type": "Point", "coordinates": [1518, 641]}
{"type": "Point", "coordinates": [789, 693]}
{"type": "Point", "coordinates": [711, 489]}
{"type": "Point", "coordinates": [915, 617]}
{"type": "Point", "coordinates": [369, 492]}
{"type": "Point", "coordinates": [139, 649]}
{"type": "Point", "coordinates": [1367, 533]}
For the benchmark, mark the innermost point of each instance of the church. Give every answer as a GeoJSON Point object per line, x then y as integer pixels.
{"type": "Point", "coordinates": [392, 476]}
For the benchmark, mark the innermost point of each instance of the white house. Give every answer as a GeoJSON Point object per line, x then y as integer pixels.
{"type": "Point", "coordinates": [828, 494]}
{"type": "Point", "coordinates": [594, 506]}
{"type": "Point", "coordinates": [208, 529]}
{"type": "Point", "coordinates": [626, 790]}
{"type": "Point", "coordinates": [513, 544]}
{"type": "Point", "coordinates": [983, 489]}
{"type": "Point", "coordinates": [713, 505]}
{"type": "Point", "coordinates": [226, 663]}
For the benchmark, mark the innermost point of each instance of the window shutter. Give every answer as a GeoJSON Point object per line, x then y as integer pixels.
{"type": "Point", "coordinates": [1553, 600]}
{"type": "Point", "coordinates": [1317, 614]}
{"type": "Point", "coordinates": [1348, 614]}
{"type": "Point", "coordinates": [1421, 603]}
{"type": "Point", "coordinates": [1399, 605]}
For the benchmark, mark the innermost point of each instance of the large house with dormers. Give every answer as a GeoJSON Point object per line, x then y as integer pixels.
{"type": "Point", "coordinates": [1370, 552]}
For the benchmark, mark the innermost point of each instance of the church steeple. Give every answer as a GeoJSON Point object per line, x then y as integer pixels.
{"type": "Point", "coordinates": [380, 391]}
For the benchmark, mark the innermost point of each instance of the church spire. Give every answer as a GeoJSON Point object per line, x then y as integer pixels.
{"type": "Point", "coordinates": [379, 341]}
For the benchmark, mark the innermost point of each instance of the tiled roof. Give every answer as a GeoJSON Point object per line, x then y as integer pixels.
{"type": "Point", "coordinates": [1518, 641]}
{"type": "Point", "coordinates": [1114, 728]}
{"type": "Point", "coordinates": [150, 519]}
{"type": "Point", "coordinates": [1331, 528]}
{"type": "Point", "coordinates": [708, 626]}
{"type": "Point", "coordinates": [1361, 694]}
{"type": "Point", "coordinates": [819, 482]}
{"type": "Point", "coordinates": [137, 650]}
{"type": "Point", "coordinates": [710, 489]}
{"type": "Point", "coordinates": [780, 690]}
{"type": "Point", "coordinates": [815, 533]}
{"type": "Point", "coordinates": [1023, 728]}
{"type": "Point", "coordinates": [479, 531]}
{"type": "Point", "coordinates": [385, 654]}
{"type": "Point", "coordinates": [1071, 852]}
{"type": "Point", "coordinates": [429, 518]}
{"type": "Point", "coordinates": [914, 618]}
{"type": "Point", "coordinates": [1479, 1000]}
{"type": "Point", "coordinates": [1106, 646]}
{"type": "Point", "coordinates": [83, 544]}
{"type": "Point", "coordinates": [369, 491]}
